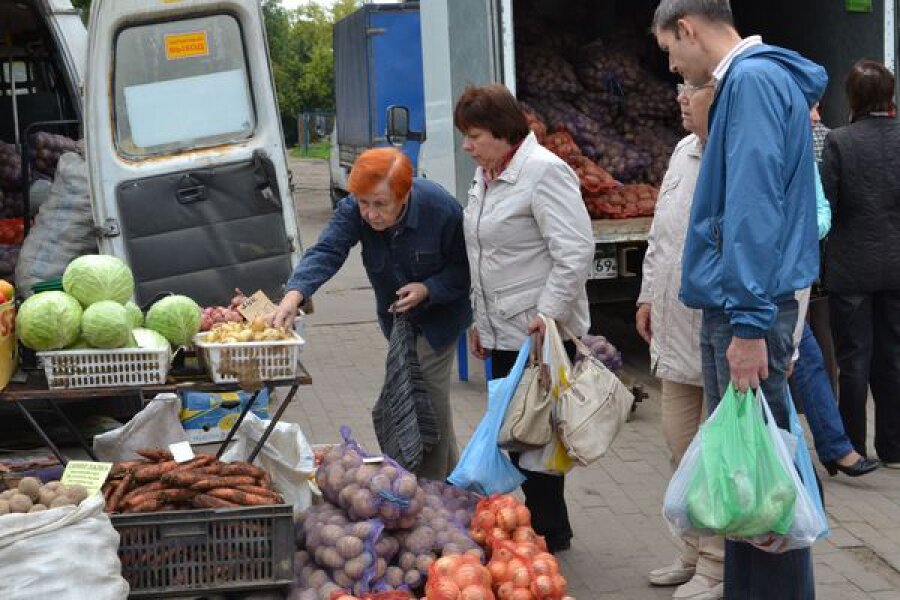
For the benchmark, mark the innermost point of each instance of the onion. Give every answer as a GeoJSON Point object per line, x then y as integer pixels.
{"type": "Point", "coordinates": [475, 592]}
{"type": "Point", "coordinates": [446, 566]}
{"type": "Point", "coordinates": [505, 591]}
{"type": "Point", "coordinates": [443, 589]}
{"type": "Point", "coordinates": [523, 516]}
{"type": "Point", "coordinates": [543, 587]}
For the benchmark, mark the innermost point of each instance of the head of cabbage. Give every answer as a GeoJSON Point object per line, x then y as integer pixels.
{"type": "Point", "coordinates": [95, 277]}
{"type": "Point", "coordinates": [105, 325]}
{"type": "Point", "coordinates": [177, 318]}
{"type": "Point", "coordinates": [48, 321]}
{"type": "Point", "coordinates": [135, 316]}
{"type": "Point", "coordinates": [150, 340]}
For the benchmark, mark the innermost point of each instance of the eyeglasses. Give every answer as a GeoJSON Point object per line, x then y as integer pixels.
{"type": "Point", "coordinates": [688, 90]}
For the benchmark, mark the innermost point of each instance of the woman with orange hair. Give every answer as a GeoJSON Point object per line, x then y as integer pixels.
{"type": "Point", "coordinates": [414, 253]}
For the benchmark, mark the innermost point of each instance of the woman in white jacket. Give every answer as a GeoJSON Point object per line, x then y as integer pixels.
{"type": "Point", "coordinates": [673, 332]}
{"type": "Point", "coordinates": [530, 247]}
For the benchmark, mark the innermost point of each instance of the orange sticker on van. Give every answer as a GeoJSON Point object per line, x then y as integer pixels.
{"type": "Point", "coordinates": [186, 45]}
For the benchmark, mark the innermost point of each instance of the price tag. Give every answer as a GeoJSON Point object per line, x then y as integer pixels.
{"type": "Point", "coordinates": [257, 305]}
{"type": "Point", "coordinates": [90, 475]}
{"type": "Point", "coordinates": [181, 451]}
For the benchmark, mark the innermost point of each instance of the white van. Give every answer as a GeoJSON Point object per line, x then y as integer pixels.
{"type": "Point", "coordinates": [186, 158]}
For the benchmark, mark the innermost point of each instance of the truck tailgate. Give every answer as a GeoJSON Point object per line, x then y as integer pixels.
{"type": "Point", "coordinates": [612, 231]}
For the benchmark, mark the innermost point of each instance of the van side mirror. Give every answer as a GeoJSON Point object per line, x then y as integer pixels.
{"type": "Point", "coordinates": [397, 129]}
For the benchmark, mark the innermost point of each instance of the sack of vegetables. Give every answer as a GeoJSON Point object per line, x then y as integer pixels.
{"type": "Point", "coordinates": [367, 486]}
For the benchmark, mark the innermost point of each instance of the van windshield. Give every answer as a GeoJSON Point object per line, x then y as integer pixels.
{"type": "Point", "coordinates": [181, 85]}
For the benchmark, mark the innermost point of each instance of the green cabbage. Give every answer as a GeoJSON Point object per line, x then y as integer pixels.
{"type": "Point", "coordinates": [135, 316]}
{"type": "Point", "coordinates": [95, 277]}
{"type": "Point", "coordinates": [49, 321]}
{"type": "Point", "coordinates": [105, 325]}
{"type": "Point", "coordinates": [177, 318]}
{"type": "Point", "coordinates": [79, 344]}
{"type": "Point", "coordinates": [149, 339]}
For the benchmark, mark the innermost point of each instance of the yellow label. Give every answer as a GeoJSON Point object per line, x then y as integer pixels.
{"type": "Point", "coordinates": [186, 45]}
{"type": "Point", "coordinates": [257, 305]}
{"type": "Point", "coordinates": [91, 475]}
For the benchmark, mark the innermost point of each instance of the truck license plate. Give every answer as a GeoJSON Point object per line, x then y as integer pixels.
{"type": "Point", "coordinates": [605, 264]}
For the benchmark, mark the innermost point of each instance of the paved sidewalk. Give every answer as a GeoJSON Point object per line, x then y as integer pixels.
{"type": "Point", "coordinates": [615, 504]}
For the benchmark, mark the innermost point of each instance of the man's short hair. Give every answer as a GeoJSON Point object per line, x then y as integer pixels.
{"type": "Point", "coordinates": [669, 11]}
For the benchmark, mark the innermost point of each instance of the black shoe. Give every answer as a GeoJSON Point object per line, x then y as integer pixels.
{"type": "Point", "coordinates": [861, 467]}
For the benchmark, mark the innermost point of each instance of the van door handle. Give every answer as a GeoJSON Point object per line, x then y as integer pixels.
{"type": "Point", "coordinates": [194, 193]}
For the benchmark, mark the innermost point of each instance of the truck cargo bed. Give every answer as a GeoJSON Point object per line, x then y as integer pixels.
{"type": "Point", "coordinates": [612, 231]}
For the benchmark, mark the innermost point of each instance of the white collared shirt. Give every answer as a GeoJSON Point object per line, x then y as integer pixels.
{"type": "Point", "coordinates": [725, 64]}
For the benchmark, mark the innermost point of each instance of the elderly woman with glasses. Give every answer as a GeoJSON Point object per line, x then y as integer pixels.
{"type": "Point", "coordinates": [414, 253]}
{"type": "Point", "coordinates": [673, 332]}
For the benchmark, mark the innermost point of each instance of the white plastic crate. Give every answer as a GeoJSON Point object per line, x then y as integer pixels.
{"type": "Point", "coordinates": [250, 361]}
{"type": "Point", "coordinates": [105, 368]}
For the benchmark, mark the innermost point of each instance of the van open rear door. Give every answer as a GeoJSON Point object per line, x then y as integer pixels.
{"type": "Point", "coordinates": [188, 170]}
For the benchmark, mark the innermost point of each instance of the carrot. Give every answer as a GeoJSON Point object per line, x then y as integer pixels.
{"type": "Point", "coordinates": [140, 491]}
{"type": "Point", "coordinates": [183, 478]}
{"type": "Point", "coordinates": [155, 454]}
{"type": "Point", "coordinates": [242, 468]}
{"type": "Point", "coordinates": [266, 481]}
{"type": "Point", "coordinates": [239, 497]}
{"type": "Point", "coordinates": [154, 471]}
{"type": "Point", "coordinates": [199, 461]}
{"type": "Point", "coordinates": [119, 492]}
{"type": "Point", "coordinates": [260, 491]}
{"type": "Point", "coordinates": [163, 496]}
{"type": "Point", "coordinates": [150, 505]}
{"type": "Point", "coordinates": [219, 482]}
{"type": "Point", "coordinates": [205, 501]}
{"type": "Point", "coordinates": [210, 469]}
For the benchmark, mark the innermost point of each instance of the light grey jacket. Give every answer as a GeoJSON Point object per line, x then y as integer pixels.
{"type": "Point", "coordinates": [675, 344]}
{"type": "Point", "coordinates": [530, 247]}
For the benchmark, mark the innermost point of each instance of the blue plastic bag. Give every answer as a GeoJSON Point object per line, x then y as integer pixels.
{"type": "Point", "coordinates": [483, 468]}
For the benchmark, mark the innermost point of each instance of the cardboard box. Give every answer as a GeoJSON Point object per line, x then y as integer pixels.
{"type": "Point", "coordinates": [208, 416]}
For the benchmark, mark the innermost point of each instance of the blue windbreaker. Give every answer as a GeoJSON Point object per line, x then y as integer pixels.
{"type": "Point", "coordinates": [752, 237]}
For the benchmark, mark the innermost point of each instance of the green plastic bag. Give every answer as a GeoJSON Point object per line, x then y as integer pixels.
{"type": "Point", "coordinates": [739, 487]}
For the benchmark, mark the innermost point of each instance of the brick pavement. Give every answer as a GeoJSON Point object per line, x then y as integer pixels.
{"type": "Point", "coordinates": [615, 504]}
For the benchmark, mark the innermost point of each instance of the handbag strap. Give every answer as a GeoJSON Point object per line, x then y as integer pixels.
{"type": "Point", "coordinates": [579, 345]}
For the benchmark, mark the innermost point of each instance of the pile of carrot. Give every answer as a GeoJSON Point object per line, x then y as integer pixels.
{"type": "Point", "coordinates": [158, 483]}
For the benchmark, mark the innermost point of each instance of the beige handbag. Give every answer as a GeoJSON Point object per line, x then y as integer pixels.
{"type": "Point", "coordinates": [527, 422]}
{"type": "Point", "coordinates": [593, 408]}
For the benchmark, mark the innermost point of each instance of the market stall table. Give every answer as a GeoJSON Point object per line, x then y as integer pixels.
{"type": "Point", "coordinates": [34, 390]}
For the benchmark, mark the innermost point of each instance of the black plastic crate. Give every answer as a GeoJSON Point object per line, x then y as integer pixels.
{"type": "Point", "coordinates": [186, 552]}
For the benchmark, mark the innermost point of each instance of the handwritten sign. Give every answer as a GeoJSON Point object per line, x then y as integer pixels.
{"type": "Point", "coordinates": [90, 475]}
{"type": "Point", "coordinates": [257, 305]}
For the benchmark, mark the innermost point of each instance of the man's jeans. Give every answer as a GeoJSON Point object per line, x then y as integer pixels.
{"type": "Point", "coordinates": [752, 574]}
{"type": "Point", "coordinates": [813, 391]}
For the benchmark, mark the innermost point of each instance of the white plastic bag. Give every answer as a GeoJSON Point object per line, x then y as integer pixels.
{"type": "Point", "coordinates": [809, 523]}
{"type": "Point", "coordinates": [553, 458]}
{"type": "Point", "coordinates": [65, 553]}
{"type": "Point", "coordinates": [156, 426]}
{"type": "Point", "coordinates": [286, 456]}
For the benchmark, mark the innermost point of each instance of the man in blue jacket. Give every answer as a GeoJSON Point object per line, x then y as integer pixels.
{"type": "Point", "coordinates": [752, 238]}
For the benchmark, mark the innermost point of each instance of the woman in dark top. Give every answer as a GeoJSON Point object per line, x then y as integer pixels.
{"type": "Point", "coordinates": [861, 176]}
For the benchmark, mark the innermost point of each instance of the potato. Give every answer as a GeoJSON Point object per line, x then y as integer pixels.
{"type": "Point", "coordinates": [7, 494]}
{"type": "Point", "coordinates": [31, 487]}
{"type": "Point", "coordinates": [77, 493]}
{"type": "Point", "coordinates": [20, 503]}
{"type": "Point", "coordinates": [61, 500]}
{"type": "Point", "coordinates": [46, 496]}
{"type": "Point", "coordinates": [4, 507]}
{"type": "Point", "coordinates": [37, 508]}
{"type": "Point", "coordinates": [52, 485]}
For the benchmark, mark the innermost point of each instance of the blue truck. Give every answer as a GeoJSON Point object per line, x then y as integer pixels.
{"type": "Point", "coordinates": [377, 64]}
